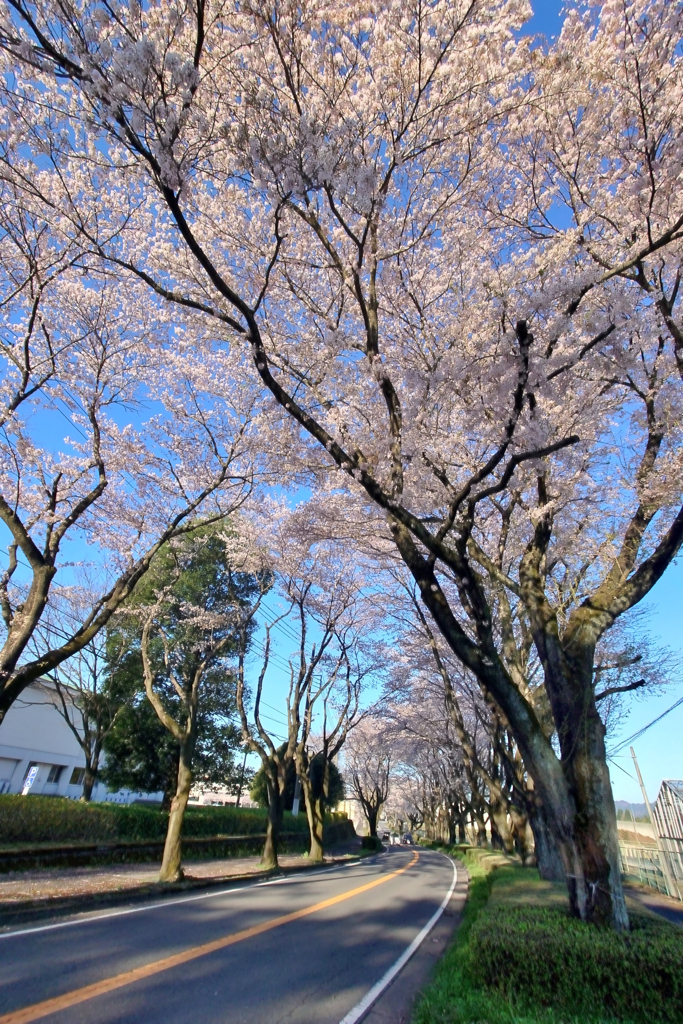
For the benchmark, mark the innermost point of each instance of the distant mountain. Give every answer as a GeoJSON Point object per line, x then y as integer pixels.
{"type": "Point", "coordinates": [637, 810]}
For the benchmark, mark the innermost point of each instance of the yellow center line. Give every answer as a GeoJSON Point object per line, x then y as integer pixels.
{"type": "Point", "coordinates": [98, 988]}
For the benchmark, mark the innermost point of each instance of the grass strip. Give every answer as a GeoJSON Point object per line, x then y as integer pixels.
{"type": "Point", "coordinates": [519, 958]}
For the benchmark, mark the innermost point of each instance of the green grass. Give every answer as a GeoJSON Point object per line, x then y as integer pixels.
{"type": "Point", "coordinates": [518, 958]}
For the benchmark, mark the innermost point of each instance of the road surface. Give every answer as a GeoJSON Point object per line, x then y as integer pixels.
{"type": "Point", "coordinates": [301, 950]}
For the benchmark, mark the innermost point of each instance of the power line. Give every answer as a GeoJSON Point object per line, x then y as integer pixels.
{"type": "Point", "coordinates": [637, 735]}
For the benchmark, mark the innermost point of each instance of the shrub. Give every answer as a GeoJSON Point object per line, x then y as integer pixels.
{"type": "Point", "coordinates": [235, 821]}
{"type": "Point", "coordinates": [542, 957]}
{"type": "Point", "coordinates": [533, 964]}
{"type": "Point", "coordinates": [36, 819]}
{"type": "Point", "coordinates": [371, 843]}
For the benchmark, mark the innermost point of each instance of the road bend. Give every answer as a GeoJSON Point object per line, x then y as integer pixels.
{"type": "Point", "coordinates": [301, 950]}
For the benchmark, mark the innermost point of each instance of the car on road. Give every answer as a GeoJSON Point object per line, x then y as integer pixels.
{"type": "Point", "coordinates": [407, 839]}
{"type": "Point", "coordinates": [394, 839]}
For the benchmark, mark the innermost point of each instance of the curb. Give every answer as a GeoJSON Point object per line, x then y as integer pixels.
{"type": "Point", "coordinates": [29, 911]}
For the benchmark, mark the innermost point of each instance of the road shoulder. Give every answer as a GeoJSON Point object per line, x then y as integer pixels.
{"type": "Point", "coordinates": [396, 1003]}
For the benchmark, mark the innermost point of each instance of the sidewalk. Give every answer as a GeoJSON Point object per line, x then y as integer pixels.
{"type": "Point", "coordinates": [30, 895]}
{"type": "Point", "coordinates": [655, 902]}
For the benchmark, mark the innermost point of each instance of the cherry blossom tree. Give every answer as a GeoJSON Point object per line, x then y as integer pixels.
{"type": "Point", "coordinates": [79, 358]}
{"type": "Point", "coordinates": [368, 762]}
{"type": "Point", "coordinates": [455, 262]}
{"type": "Point", "coordinates": [322, 607]}
{"type": "Point", "coordinates": [78, 687]}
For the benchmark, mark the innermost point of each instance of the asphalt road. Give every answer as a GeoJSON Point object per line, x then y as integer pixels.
{"type": "Point", "coordinates": [301, 950]}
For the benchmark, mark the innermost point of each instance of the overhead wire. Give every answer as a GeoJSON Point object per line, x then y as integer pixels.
{"type": "Point", "coordinates": [641, 732]}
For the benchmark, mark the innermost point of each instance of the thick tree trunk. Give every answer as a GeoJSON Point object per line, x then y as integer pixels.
{"type": "Point", "coordinates": [548, 859]}
{"type": "Point", "coordinates": [273, 828]}
{"type": "Point", "coordinates": [501, 827]}
{"type": "Point", "coordinates": [315, 813]}
{"type": "Point", "coordinates": [451, 828]}
{"type": "Point", "coordinates": [522, 835]}
{"type": "Point", "coordinates": [171, 864]}
{"type": "Point", "coordinates": [462, 831]}
{"type": "Point", "coordinates": [371, 815]}
{"type": "Point", "coordinates": [317, 853]}
{"type": "Point", "coordinates": [575, 789]}
{"type": "Point", "coordinates": [601, 900]}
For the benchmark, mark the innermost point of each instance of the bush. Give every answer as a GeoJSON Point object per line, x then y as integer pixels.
{"type": "Point", "coordinates": [371, 843]}
{"type": "Point", "coordinates": [533, 964]}
{"type": "Point", "coordinates": [234, 821]}
{"type": "Point", "coordinates": [36, 819]}
{"type": "Point", "coordinates": [542, 957]}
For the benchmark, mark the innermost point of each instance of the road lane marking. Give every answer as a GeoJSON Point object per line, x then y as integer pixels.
{"type": "Point", "coordinates": [160, 904]}
{"type": "Point", "coordinates": [375, 992]}
{"type": "Point", "coordinates": [81, 995]}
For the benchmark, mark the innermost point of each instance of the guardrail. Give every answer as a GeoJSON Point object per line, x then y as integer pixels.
{"type": "Point", "coordinates": [643, 862]}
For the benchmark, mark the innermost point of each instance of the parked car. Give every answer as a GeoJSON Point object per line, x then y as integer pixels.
{"type": "Point", "coordinates": [406, 839]}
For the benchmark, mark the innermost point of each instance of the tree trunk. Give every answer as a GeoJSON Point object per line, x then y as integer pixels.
{"type": "Point", "coordinates": [171, 864]}
{"type": "Point", "coordinates": [317, 853]}
{"type": "Point", "coordinates": [548, 858]}
{"type": "Point", "coordinates": [315, 813]}
{"type": "Point", "coordinates": [273, 828]}
{"type": "Point", "coordinates": [371, 815]}
{"type": "Point", "coordinates": [462, 830]}
{"type": "Point", "coordinates": [575, 789]}
{"type": "Point", "coordinates": [501, 827]}
{"type": "Point", "coordinates": [522, 834]}
{"type": "Point", "coordinates": [601, 899]}
{"type": "Point", "coordinates": [89, 780]}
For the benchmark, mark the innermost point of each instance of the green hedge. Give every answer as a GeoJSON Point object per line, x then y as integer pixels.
{"type": "Point", "coordinates": [513, 963]}
{"type": "Point", "coordinates": [542, 957]}
{"type": "Point", "coordinates": [371, 843]}
{"type": "Point", "coordinates": [36, 819]}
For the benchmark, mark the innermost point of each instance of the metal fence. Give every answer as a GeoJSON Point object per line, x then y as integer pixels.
{"type": "Point", "coordinates": [643, 863]}
{"type": "Point", "coordinates": [668, 822]}
{"type": "Point", "coordinates": [659, 864]}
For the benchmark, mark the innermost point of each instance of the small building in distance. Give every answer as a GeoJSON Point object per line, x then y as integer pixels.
{"type": "Point", "coordinates": [37, 746]}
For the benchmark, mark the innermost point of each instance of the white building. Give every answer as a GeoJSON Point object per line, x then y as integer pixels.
{"type": "Point", "coordinates": [37, 746]}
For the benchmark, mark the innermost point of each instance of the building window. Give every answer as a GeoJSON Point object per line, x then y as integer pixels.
{"type": "Point", "coordinates": [77, 776]}
{"type": "Point", "coordinates": [55, 772]}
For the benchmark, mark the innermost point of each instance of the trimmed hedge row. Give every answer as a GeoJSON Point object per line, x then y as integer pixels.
{"type": "Point", "coordinates": [542, 957]}
{"type": "Point", "coordinates": [36, 819]}
{"type": "Point", "coordinates": [517, 963]}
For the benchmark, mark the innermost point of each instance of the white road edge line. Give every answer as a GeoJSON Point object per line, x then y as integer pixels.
{"type": "Point", "coordinates": [233, 890]}
{"type": "Point", "coordinates": [375, 992]}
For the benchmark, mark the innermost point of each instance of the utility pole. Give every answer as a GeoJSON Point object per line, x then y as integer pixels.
{"type": "Point", "coordinates": [297, 797]}
{"type": "Point", "coordinates": [671, 887]}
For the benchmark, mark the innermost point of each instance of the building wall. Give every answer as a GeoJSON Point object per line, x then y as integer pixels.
{"type": "Point", "coordinates": [34, 733]}
{"type": "Point", "coordinates": [354, 812]}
